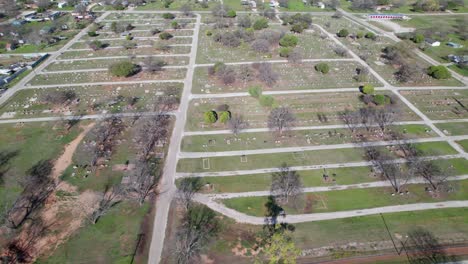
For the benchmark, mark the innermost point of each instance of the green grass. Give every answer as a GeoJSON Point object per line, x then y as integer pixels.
{"type": "Point", "coordinates": [464, 144]}
{"type": "Point", "coordinates": [459, 70]}
{"type": "Point", "coordinates": [33, 142]}
{"type": "Point", "coordinates": [294, 138]}
{"type": "Point", "coordinates": [332, 201]}
{"type": "Point", "coordinates": [299, 6]}
{"type": "Point", "coordinates": [454, 129]}
{"type": "Point", "coordinates": [311, 178]}
{"type": "Point", "coordinates": [258, 161]}
{"type": "Point", "coordinates": [112, 240]}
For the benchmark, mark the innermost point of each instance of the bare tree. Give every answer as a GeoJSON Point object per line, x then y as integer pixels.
{"type": "Point", "coordinates": [266, 73]}
{"type": "Point", "coordinates": [280, 119]}
{"type": "Point", "coordinates": [186, 10]}
{"type": "Point", "coordinates": [286, 183]}
{"type": "Point", "coordinates": [237, 124]}
{"type": "Point", "coordinates": [366, 117]}
{"type": "Point", "coordinates": [112, 196]}
{"type": "Point", "coordinates": [104, 136]}
{"type": "Point", "coordinates": [150, 131]}
{"type": "Point", "coordinates": [295, 56]}
{"type": "Point", "coordinates": [244, 21]}
{"type": "Point", "coordinates": [261, 45]}
{"type": "Point", "coordinates": [340, 51]}
{"type": "Point", "coordinates": [59, 97]}
{"type": "Point", "coordinates": [187, 189]}
{"type": "Point", "coordinates": [154, 65]}
{"type": "Point", "coordinates": [143, 179]}
{"type": "Point", "coordinates": [384, 117]}
{"type": "Point", "coordinates": [423, 248]}
{"type": "Point", "coordinates": [351, 119]}
{"type": "Point", "coordinates": [81, 9]}
{"type": "Point", "coordinates": [430, 172]}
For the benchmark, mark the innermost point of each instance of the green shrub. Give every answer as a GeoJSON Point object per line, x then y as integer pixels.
{"type": "Point", "coordinates": [370, 35]}
{"type": "Point", "coordinates": [123, 69]}
{"type": "Point", "coordinates": [209, 33]}
{"type": "Point", "coordinates": [219, 66]}
{"type": "Point", "coordinates": [439, 72]}
{"type": "Point", "coordinates": [129, 37]}
{"type": "Point", "coordinates": [255, 91]}
{"type": "Point", "coordinates": [266, 100]}
{"type": "Point", "coordinates": [174, 25]}
{"type": "Point", "coordinates": [360, 34]}
{"type": "Point", "coordinates": [231, 13]}
{"type": "Point", "coordinates": [224, 116]}
{"type": "Point", "coordinates": [92, 33]}
{"type": "Point", "coordinates": [380, 99]}
{"type": "Point", "coordinates": [168, 16]}
{"type": "Point", "coordinates": [297, 28]}
{"type": "Point", "coordinates": [343, 33]}
{"type": "Point", "coordinates": [284, 52]}
{"type": "Point", "coordinates": [210, 117]}
{"type": "Point", "coordinates": [165, 36]}
{"type": "Point", "coordinates": [367, 89]}
{"type": "Point", "coordinates": [322, 67]}
{"type": "Point", "coordinates": [418, 38]}
{"type": "Point", "coordinates": [288, 41]}
{"type": "Point", "coordinates": [260, 23]}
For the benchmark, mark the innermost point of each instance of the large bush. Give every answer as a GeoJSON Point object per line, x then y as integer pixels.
{"type": "Point", "coordinates": [255, 91]}
{"type": "Point", "coordinates": [165, 36]}
{"type": "Point", "coordinates": [266, 100]}
{"type": "Point", "coordinates": [168, 16]}
{"type": "Point", "coordinates": [439, 72]}
{"type": "Point", "coordinates": [322, 67]}
{"type": "Point", "coordinates": [260, 23]}
{"type": "Point", "coordinates": [231, 13]}
{"type": "Point", "coordinates": [343, 33]}
{"type": "Point", "coordinates": [210, 117]}
{"type": "Point", "coordinates": [224, 116]}
{"type": "Point", "coordinates": [123, 69]}
{"type": "Point", "coordinates": [288, 41]}
{"type": "Point", "coordinates": [367, 89]}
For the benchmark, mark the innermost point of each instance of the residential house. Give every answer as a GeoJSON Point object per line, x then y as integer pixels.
{"type": "Point", "coordinates": [321, 5]}
{"type": "Point", "coordinates": [454, 45]}
{"type": "Point", "coordinates": [62, 4]}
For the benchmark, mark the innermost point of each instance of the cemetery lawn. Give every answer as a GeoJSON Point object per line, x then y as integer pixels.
{"type": "Point", "coordinates": [293, 138]}
{"type": "Point", "coordinates": [464, 144]}
{"type": "Point", "coordinates": [303, 158]}
{"type": "Point", "coordinates": [312, 178]}
{"type": "Point", "coordinates": [454, 129]}
{"type": "Point", "coordinates": [332, 201]}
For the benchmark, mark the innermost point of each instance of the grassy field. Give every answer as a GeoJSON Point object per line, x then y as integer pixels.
{"type": "Point", "coordinates": [464, 144]}
{"type": "Point", "coordinates": [311, 178]}
{"type": "Point", "coordinates": [293, 138]}
{"type": "Point", "coordinates": [332, 201]}
{"type": "Point", "coordinates": [455, 129]}
{"type": "Point", "coordinates": [306, 107]}
{"type": "Point", "coordinates": [304, 158]}
{"type": "Point", "coordinates": [310, 44]}
{"type": "Point", "coordinates": [112, 240]}
{"type": "Point", "coordinates": [30, 144]}
{"type": "Point", "coordinates": [122, 52]}
{"type": "Point", "coordinates": [297, 77]}
{"type": "Point", "coordinates": [440, 104]}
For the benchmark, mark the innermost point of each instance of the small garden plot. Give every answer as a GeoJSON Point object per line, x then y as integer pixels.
{"type": "Point", "coordinates": [104, 76]}
{"type": "Point", "coordinates": [304, 158]}
{"type": "Point", "coordinates": [25, 144]}
{"type": "Point", "coordinates": [333, 201]}
{"type": "Point", "coordinates": [293, 138]}
{"type": "Point", "coordinates": [454, 129]}
{"type": "Point", "coordinates": [310, 46]}
{"type": "Point", "coordinates": [289, 77]}
{"type": "Point", "coordinates": [440, 104]}
{"type": "Point", "coordinates": [312, 178]}
{"type": "Point", "coordinates": [99, 64]}
{"type": "Point", "coordinates": [84, 100]}
{"type": "Point", "coordinates": [309, 109]}
{"type": "Point", "coordinates": [122, 52]}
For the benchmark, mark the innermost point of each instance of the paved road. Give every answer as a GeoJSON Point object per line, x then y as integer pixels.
{"type": "Point", "coordinates": [20, 85]}
{"type": "Point", "coordinates": [302, 168]}
{"type": "Point", "coordinates": [167, 187]}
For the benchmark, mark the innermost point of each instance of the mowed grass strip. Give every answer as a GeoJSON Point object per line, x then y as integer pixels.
{"type": "Point", "coordinates": [303, 158]}
{"type": "Point", "coordinates": [332, 201]}
{"type": "Point", "coordinates": [302, 77]}
{"type": "Point", "coordinates": [309, 109]}
{"type": "Point", "coordinates": [293, 138]}
{"type": "Point", "coordinates": [455, 129]}
{"type": "Point", "coordinates": [464, 144]}
{"type": "Point", "coordinates": [311, 178]}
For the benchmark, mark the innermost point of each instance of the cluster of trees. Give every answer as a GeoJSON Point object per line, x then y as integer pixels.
{"type": "Point", "coordinates": [227, 75]}
{"type": "Point", "coordinates": [59, 97]}
{"type": "Point", "coordinates": [281, 119]}
{"type": "Point", "coordinates": [439, 72]}
{"type": "Point", "coordinates": [199, 224]}
{"type": "Point", "coordinates": [298, 22]}
{"type": "Point", "coordinates": [96, 45]}
{"type": "Point", "coordinates": [120, 27]}
{"type": "Point", "coordinates": [212, 116]}
{"type": "Point", "coordinates": [124, 69]}
{"type": "Point", "coordinates": [398, 55]}
{"type": "Point", "coordinates": [264, 100]}
{"type": "Point", "coordinates": [236, 123]}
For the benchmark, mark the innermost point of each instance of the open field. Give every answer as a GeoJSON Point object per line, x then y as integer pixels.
{"type": "Point", "coordinates": [294, 138]}
{"type": "Point", "coordinates": [290, 77]}
{"type": "Point", "coordinates": [303, 158]}
{"type": "Point", "coordinates": [440, 104]}
{"type": "Point", "coordinates": [464, 144]}
{"type": "Point", "coordinates": [308, 108]}
{"type": "Point", "coordinates": [454, 128]}
{"type": "Point", "coordinates": [332, 201]}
